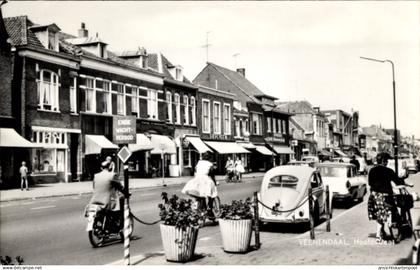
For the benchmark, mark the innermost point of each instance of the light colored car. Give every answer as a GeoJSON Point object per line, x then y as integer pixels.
{"type": "Point", "coordinates": [343, 180]}
{"type": "Point", "coordinates": [402, 167]}
{"type": "Point", "coordinates": [285, 188]}
{"type": "Point", "coordinates": [411, 165]}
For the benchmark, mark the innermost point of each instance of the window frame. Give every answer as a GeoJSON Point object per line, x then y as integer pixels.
{"type": "Point", "coordinates": [217, 124]}
{"type": "Point", "coordinates": [169, 105]}
{"type": "Point", "coordinates": [206, 129]}
{"type": "Point", "coordinates": [177, 102]}
{"type": "Point", "coordinates": [193, 105]}
{"type": "Point", "coordinates": [227, 129]}
{"type": "Point", "coordinates": [53, 88]}
{"type": "Point", "coordinates": [73, 96]}
{"type": "Point", "coordinates": [186, 110]}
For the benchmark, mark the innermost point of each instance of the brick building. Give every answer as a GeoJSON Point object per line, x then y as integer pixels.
{"type": "Point", "coordinates": [267, 148]}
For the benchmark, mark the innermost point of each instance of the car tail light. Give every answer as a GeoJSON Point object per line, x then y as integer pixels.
{"type": "Point", "coordinates": [348, 184]}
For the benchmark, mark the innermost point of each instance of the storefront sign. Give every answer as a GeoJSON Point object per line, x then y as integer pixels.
{"type": "Point", "coordinates": [124, 129]}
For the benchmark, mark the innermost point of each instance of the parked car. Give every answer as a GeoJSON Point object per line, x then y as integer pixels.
{"type": "Point", "coordinates": [402, 167]}
{"type": "Point", "coordinates": [310, 159]}
{"type": "Point", "coordinates": [411, 165]}
{"type": "Point", "coordinates": [343, 180]}
{"type": "Point", "coordinates": [286, 188]}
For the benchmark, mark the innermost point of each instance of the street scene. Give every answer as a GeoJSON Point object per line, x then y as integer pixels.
{"type": "Point", "coordinates": [210, 133]}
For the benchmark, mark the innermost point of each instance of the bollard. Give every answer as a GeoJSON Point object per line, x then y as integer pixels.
{"type": "Point", "coordinates": [328, 210]}
{"type": "Point", "coordinates": [256, 222]}
{"type": "Point", "coordinates": [311, 213]}
{"type": "Point", "coordinates": [126, 219]}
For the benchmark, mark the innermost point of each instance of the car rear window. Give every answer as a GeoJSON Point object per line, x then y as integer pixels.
{"type": "Point", "coordinates": [288, 181]}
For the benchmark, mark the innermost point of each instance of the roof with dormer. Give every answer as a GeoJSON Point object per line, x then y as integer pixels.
{"type": "Point", "coordinates": [166, 65]}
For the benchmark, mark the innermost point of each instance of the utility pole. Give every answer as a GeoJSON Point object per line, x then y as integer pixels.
{"type": "Point", "coordinates": [207, 45]}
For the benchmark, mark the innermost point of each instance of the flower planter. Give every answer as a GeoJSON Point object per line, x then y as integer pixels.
{"type": "Point", "coordinates": [178, 245]}
{"type": "Point", "coordinates": [236, 234]}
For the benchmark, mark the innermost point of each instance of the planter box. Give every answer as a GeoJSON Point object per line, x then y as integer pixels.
{"type": "Point", "coordinates": [236, 234]}
{"type": "Point", "coordinates": [178, 245]}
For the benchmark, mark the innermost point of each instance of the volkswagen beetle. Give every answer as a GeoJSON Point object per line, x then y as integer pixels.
{"type": "Point", "coordinates": [284, 195]}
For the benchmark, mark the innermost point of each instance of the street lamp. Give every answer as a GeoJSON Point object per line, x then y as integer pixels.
{"type": "Point", "coordinates": [395, 109]}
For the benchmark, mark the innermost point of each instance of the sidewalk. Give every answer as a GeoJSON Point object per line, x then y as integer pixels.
{"type": "Point", "coordinates": [351, 241]}
{"type": "Point", "coordinates": [78, 188]}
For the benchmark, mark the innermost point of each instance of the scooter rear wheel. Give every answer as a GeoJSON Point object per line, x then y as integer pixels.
{"type": "Point", "coordinates": [96, 237]}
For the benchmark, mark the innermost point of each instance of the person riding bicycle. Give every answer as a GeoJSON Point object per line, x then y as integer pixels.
{"type": "Point", "coordinates": [381, 202]}
{"type": "Point", "coordinates": [202, 185]}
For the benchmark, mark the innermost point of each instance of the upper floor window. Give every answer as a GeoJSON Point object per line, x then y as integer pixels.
{"type": "Point", "coordinates": [283, 130]}
{"type": "Point", "coordinates": [256, 124]}
{"type": "Point", "coordinates": [216, 118]}
{"type": "Point", "coordinates": [103, 96]}
{"type": "Point", "coordinates": [169, 107]}
{"type": "Point", "coordinates": [73, 96]}
{"type": "Point", "coordinates": [88, 85]}
{"type": "Point", "coordinates": [153, 104]}
{"type": "Point", "coordinates": [48, 84]}
{"type": "Point", "coordinates": [269, 124]}
{"type": "Point", "coordinates": [177, 104]}
{"type": "Point", "coordinates": [132, 100]}
{"type": "Point", "coordinates": [186, 111]}
{"type": "Point", "coordinates": [193, 111]}
{"type": "Point", "coordinates": [206, 116]}
{"type": "Point", "coordinates": [118, 91]}
{"type": "Point", "coordinates": [226, 117]}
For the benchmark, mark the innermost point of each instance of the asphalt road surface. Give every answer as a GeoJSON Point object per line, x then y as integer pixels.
{"type": "Point", "coordinates": [51, 231]}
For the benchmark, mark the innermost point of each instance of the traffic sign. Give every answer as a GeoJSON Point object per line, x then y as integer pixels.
{"type": "Point", "coordinates": [124, 154]}
{"type": "Point", "coordinates": [124, 129]}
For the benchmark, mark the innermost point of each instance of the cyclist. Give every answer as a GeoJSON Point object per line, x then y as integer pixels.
{"type": "Point", "coordinates": [202, 185]}
{"type": "Point", "coordinates": [381, 202]}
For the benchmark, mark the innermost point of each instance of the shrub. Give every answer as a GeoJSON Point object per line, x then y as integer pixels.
{"type": "Point", "coordinates": [237, 210]}
{"type": "Point", "coordinates": [175, 211]}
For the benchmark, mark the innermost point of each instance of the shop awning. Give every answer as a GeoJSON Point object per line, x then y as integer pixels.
{"type": "Point", "coordinates": [227, 147]}
{"type": "Point", "coordinates": [95, 143]}
{"type": "Point", "coordinates": [340, 153]}
{"type": "Point", "coordinates": [142, 144]}
{"type": "Point", "coordinates": [161, 144]}
{"type": "Point", "coordinates": [247, 145]}
{"type": "Point", "coordinates": [264, 150]}
{"type": "Point", "coordinates": [198, 144]}
{"type": "Point", "coordinates": [10, 138]}
{"type": "Point", "coordinates": [282, 149]}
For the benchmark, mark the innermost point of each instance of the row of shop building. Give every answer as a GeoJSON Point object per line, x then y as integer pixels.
{"type": "Point", "coordinates": [61, 93]}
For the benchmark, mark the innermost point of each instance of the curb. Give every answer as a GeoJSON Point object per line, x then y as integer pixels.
{"type": "Point", "coordinates": [90, 192]}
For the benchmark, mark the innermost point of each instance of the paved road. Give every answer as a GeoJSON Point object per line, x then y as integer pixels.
{"type": "Point", "coordinates": [52, 231]}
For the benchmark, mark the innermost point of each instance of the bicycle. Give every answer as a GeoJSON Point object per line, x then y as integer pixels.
{"type": "Point", "coordinates": [400, 223]}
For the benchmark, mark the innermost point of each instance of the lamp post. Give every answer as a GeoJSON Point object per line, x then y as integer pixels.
{"type": "Point", "coordinates": [395, 109]}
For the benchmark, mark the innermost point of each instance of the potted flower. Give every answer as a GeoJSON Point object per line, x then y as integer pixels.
{"type": "Point", "coordinates": [235, 223]}
{"type": "Point", "coordinates": [179, 227]}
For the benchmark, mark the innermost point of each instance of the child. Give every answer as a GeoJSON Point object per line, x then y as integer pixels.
{"type": "Point", "coordinates": [23, 176]}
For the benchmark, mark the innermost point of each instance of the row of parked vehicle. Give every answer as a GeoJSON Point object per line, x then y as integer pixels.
{"type": "Point", "coordinates": [284, 189]}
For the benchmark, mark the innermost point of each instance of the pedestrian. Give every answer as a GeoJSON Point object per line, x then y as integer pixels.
{"type": "Point", "coordinates": [239, 168]}
{"type": "Point", "coordinates": [23, 176]}
{"type": "Point", "coordinates": [230, 166]}
{"type": "Point", "coordinates": [111, 164]}
{"type": "Point", "coordinates": [381, 203]}
{"type": "Point", "coordinates": [355, 162]}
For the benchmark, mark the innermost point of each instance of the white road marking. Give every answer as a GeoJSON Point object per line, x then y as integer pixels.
{"type": "Point", "coordinates": [43, 207]}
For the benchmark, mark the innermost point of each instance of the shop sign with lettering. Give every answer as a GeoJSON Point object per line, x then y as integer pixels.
{"type": "Point", "coordinates": [124, 129]}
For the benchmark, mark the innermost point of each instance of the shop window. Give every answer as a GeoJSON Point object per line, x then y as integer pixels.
{"type": "Point", "coordinates": [48, 84]}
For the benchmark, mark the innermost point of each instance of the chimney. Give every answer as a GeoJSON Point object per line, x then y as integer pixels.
{"type": "Point", "coordinates": [316, 109]}
{"type": "Point", "coordinates": [241, 71]}
{"type": "Point", "coordinates": [83, 32]}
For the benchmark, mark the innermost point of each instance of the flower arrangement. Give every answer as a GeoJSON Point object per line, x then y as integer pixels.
{"type": "Point", "coordinates": [237, 210]}
{"type": "Point", "coordinates": [178, 212]}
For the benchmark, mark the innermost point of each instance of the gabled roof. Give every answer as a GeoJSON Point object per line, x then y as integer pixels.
{"type": "Point", "coordinates": [296, 124]}
{"type": "Point", "coordinates": [302, 106]}
{"type": "Point", "coordinates": [240, 81]}
{"type": "Point", "coordinates": [166, 64]}
{"type": "Point", "coordinates": [20, 35]}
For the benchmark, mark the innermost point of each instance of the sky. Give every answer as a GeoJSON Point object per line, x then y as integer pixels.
{"type": "Point", "coordinates": [301, 50]}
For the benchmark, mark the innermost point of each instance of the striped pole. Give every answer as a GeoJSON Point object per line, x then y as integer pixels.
{"type": "Point", "coordinates": [126, 233]}
{"type": "Point", "coordinates": [127, 224]}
